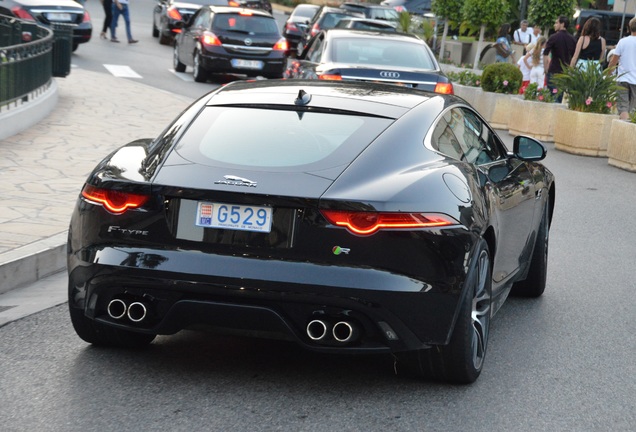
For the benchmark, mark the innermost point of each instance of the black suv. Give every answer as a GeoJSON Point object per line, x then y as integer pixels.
{"type": "Point", "coordinates": [326, 18]}
{"type": "Point", "coordinates": [610, 23]}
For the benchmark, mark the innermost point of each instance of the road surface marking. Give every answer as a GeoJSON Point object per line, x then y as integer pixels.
{"type": "Point", "coordinates": [183, 76]}
{"type": "Point", "coordinates": [121, 71]}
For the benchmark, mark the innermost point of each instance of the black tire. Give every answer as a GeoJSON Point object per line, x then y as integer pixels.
{"type": "Point", "coordinates": [99, 334]}
{"type": "Point", "coordinates": [155, 30]}
{"type": "Point", "coordinates": [178, 66]}
{"type": "Point", "coordinates": [164, 40]}
{"type": "Point", "coordinates": [200, 74]}
{"type": "Point", "coordinates": [535, 281]}
{"type": "Point", "coordinates": [461, 361]}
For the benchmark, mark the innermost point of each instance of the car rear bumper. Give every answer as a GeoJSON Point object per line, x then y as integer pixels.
{"type": "Point", "coordinates": [386, 312]}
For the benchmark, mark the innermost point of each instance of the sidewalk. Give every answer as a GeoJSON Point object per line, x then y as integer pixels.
{"type": "Point", "coordinates": [42, 169]}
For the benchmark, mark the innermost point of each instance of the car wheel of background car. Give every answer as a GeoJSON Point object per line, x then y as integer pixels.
{"type": "Point", "coordinates": [200, 74]}
{"type": "Point", "coordinates": [163, 39]}
{"type": "Point", "coordinates": [155, 31]}
{"type": "Point", "coordinates": [534, 284]}
{"type": "Point", "coordinates": [178, 66]}
{"type": "Point", "coordinates": [100, 334]}
{"type": "Point", "coordinates": [462, 359]}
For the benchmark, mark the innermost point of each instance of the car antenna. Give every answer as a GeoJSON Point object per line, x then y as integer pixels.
{"type": "Point", "coordinates": [303, 98]}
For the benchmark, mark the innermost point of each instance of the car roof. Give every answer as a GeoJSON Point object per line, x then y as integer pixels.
{"type": "Point", "coordinates": [363, 97]}
{"type": "Point", "coordinates": [365, 6]}
{"type": "Point", "coordinates": [365, 34]}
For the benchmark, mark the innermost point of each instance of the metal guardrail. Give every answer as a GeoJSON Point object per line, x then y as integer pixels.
{"type": "Point", "coordinates": [26, 55]}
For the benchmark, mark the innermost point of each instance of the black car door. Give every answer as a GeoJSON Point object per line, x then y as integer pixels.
{"type": "Point", "coordinates": [192, 34]}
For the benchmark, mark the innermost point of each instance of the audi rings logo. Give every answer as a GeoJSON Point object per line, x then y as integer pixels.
{"type": "Point", "coordinates": [387, 74]}
{"type": "Point", "coordinates": [248, 41]}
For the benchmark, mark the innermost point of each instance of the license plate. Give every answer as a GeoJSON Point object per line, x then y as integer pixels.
{"type": "Point", "coordinates": [247, 64]}
{"type": "Point", "coordinates": [59, 17]}
{"type": "Point", "coordinates": [234, 217]}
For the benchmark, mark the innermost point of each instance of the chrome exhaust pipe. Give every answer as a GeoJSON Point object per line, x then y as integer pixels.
{"type": "Point", "coordinates": [116, 309]}
{"type": "Point", "coordinates": [137, 311]}
{"type": "Point", "coordinates": [316, 330]}
{"type": "Point", "coordinates": [344, 332]}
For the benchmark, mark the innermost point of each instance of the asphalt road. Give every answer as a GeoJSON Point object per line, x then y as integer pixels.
{"type": "Point", "coordinates": [564, 362]}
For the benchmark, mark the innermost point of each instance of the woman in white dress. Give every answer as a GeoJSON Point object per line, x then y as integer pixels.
{"type": "Point", "coordinates": [534, 60]}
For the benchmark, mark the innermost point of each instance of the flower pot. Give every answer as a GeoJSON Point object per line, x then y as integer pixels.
{"type": "Point", "coordinates": [495, 108]}
{"type": "Point", "coordinates": [621, 151]}
{"type": "Point", "coordinates": [468, 93]}
{"type": "Point", "coordinates": [582, 133]}
{"type": "Point", "coordinates": [532, 118]}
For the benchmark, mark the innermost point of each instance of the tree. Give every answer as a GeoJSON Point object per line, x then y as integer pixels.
{"type": "Point", "coordinates": [484, 13]}
{"type": "Point", "coordinates": [545, 12]}
{"type": "Point", "coordinates": [451, 12]}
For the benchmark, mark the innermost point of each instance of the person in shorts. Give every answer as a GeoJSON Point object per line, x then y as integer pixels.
{"type": "Point", "coordinates": [625, 57]}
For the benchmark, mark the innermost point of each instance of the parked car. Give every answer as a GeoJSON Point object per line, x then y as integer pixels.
{"type": "Point", "coordinates": [327, 17]}
{"type": "Point", "coordinates": [374, 11]}
{"type": "Point", "coordinates": [168, 13]}
{"type": "Point", "coordinates": [48, 12]}
{"type": "Point", "coordinates": [360, 55]}
{"type": "Point", "coordinates": [231, 40]}
{"type": "Point", "coordinates": [297, 22]}
{"type": "Point", "coordinates": [366, 24]}
{"type": "Point", "coordinates": [416, 7]}
{"type": "Point", "coordinates": [380, 219]}
{"type": "Point", "coordinates": [610, 23]}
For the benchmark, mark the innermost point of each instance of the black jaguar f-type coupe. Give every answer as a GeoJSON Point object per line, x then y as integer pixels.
{"type": "Point", "coordinates": [347, 217]}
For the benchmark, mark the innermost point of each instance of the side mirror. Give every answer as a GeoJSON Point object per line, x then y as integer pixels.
{"type": "Point", "coordinates": [529, 149]}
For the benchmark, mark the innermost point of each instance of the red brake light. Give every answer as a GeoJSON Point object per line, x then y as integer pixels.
{"type": "Point", "coordinates": [291, 26]}
{"type": "Point", "coordinates": [246, 13]}
{"type": "Point", "coordinates": [315, 29]}
{"type": "Point", "coordinates": [330, 77]}
{"type": "Point", "coordinates": [210, 39]}
{"type": "Point", "coordinates": [115, 201]}
{"type": "Point", "coordinates": [22, 14]}
{"type": "Point", "coordinates": [444, 88]}
{"type": "Point", "coordinates": [232, 3]}
{"type": "Point", "coordinates": [281, 45]}
{"type": "Point", "coordinates": [367, 223]}
{"type": "Point", "coordinates": [174, 13]}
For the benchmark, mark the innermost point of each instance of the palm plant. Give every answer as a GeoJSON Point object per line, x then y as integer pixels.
{"type": "Point", "coordinates": [589, 89]}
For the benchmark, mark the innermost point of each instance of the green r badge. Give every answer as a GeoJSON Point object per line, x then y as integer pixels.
{"type": "Point", "coordinates": [337, 250]}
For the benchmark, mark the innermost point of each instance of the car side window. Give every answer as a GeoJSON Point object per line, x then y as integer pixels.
{"type": "Point", "coordinates": [315, 51]}
{"type": "Point", "coordinates": [462, 135]}
{"type": "Point", "coordinates": [202, 19]}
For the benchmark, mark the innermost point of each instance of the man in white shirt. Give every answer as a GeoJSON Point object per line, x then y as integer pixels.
{"type": "Point", "coordinates": [522, 36]}
{"type": "Point", "coordinates": [625, 57]}
{"type": "Point", "coordinates": [536, 32]}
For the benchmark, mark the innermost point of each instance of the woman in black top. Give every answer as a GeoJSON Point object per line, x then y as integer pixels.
{"type": "Point", "coordinates": [590, 48]}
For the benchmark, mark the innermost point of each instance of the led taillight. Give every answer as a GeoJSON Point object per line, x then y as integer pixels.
{"type": "Point", "coordinates": [281, 45]}
{"type": "Point", "coordinates": [367, 223]}
{"type": "Point", "coordinates": [315, 29]}
{"type": "Point", "coordinates": [22, 14]}
{"type": "Point", "coordinates": [114, 201]}
{"type": "Point", "coordinates": [210, 38]}
{"type": "Point", "coordinates": [330, 77]}
{"type": "Point", "coordinates": [444, 88]}
{"type": "Point", "coordinates": [174, 13]}
{"type": "Point", "coordinates": [291, 26]}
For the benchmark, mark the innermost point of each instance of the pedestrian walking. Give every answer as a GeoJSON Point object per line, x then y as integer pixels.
{"type": "Point", "coordinates": [625, 57]}
{"type": "Point", "coordinates": [558, 51]}
{"type": "Point", "coordinates": [534, 60]}
{"type": "Point", "coordinates": [108, 17]}
{"type": "Point", "coordinates": [590, 48]}
{"type": "Point", "coordinates": [120, 7]}
{"type": "Point", "coordinates": [502, 44]}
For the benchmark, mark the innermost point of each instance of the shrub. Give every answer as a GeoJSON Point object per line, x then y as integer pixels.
{"type": "Point", "coordinates": [590, 89]}
{"type": "Point", "coordinates": [533, 93]}
{"type": "Point", "coordinates": [632, 116]}
{"type": "Point", "coordinates": [501, 78]}
{"type": "Point", "coordinates": [466, 78]}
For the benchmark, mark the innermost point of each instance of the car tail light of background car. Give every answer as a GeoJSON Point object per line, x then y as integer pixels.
{"type": "Point", "coordinates": [330, 77]}
{"type": "Point", "coordinates": [367, 223]}
{"type": "Point", "coordinates": [174, 13]}
{"type": "Point", "coordinates": [444, 88]}
{"type": "Point", "coordinates": [22, 14]}
{"type": "Point", "coordinates": [315, 30]}
{"type": "Point", "coordinates": [290, 26]}
{"type": "Point", "coordinates": [281, 45]}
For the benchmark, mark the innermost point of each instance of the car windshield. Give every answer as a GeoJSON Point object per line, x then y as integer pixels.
{"type": "Point", "coordinates": [381, 52]}
{"type": "Point", "coordinates": [305, 12]}
{"type": "Point", "coordinates": [245, 23]}
{"type": "Point", "coordinates": [244, 137]}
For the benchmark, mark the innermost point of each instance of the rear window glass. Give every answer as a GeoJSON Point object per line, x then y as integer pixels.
{"type": "Point", "coordinates": [253, 137]}
{"type": "Point", "coordinates": [248, 24]}
{"type": "Point", "coordinates": [381, 52]}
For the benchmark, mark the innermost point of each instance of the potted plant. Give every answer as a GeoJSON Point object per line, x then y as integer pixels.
{"type": "Point", "coordinates": [534, 115]}
{"type": "Point", "coordinates": [584, 128]}
{"type": "Point", "coordinates": [500, 83]}
{"type": "Point", "coordinates": [621, 151]}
